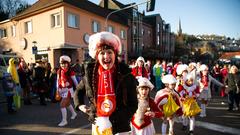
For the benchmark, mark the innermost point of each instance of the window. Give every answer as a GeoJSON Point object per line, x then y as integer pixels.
{"type": "Point", "coordinates": [158, 27]}
{"type": "Point", "coordinates": [95, 26]}
{"type": "Point", "coordinates": [134, 30]}
{"type": "Point", "coordinates": [149, 33]}
{"type": "Point", "coordinates": [28, 27]}
{"type": "Point", "coordinates": [110, 29]}
{"type": "Point", "coordinates": [143, 46]}
{"type": "Point", "coordinates": [13, 30]}
{"type": "Point", "coordinates": [142, 31]}
{"type": "Point", "coordinates": [158, 40]}
{"type": "Point", "coordinates": [56, 20]}
{"type": "Point", "coordinates": [135, 13]}
{"type": "Point", "coordinates": [123, 47]}
{"type": "Point", "coordinates": [122, 34]}
{"type": "Point", "coordinates": [3, 33]}
{"type": "Point", "coordinates": [134, 46]}
{"type": "Point", "coordinates": [73, 20]}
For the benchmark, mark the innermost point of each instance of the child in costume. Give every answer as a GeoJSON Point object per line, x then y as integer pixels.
{"type": "Point", "coordinates": [162, 99]}
{"type": "Point", "coordinates": [139, 70]}
{"type": "Point", "coordinates": [109, 85]}
{"type": "Point", "coordinates": [8, 86]}
{"type": "Point", "coordinates": [205, 91]}
{"type": "Point", "coordinates": [141, 123]}
{"type": "Point", "coordinates": [65, 81]}
{"type": "Point", "coordinates": [182, 71]}
{"type": "Point", "coordinates": [192, 91]}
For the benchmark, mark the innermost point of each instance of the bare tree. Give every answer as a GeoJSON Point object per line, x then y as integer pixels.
{"type": "Point", "coordinates": [12, 6]}
{"type": "Point", "coordinates": [3, 14]}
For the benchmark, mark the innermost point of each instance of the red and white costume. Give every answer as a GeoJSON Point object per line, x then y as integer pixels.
{"type": "Point", "coordinates": [141, 123]}
{"type": "Point", "coordinates": [181, 91]}
{"type": "Point", "coordinates": [138, 71]}
{"type": "Point", "coordinates": [65, 82]}
{"type": "Point", "coordinates": [191, 91]}
{"type": "Point", "coordinates": [161, 98]}
{"type": "Point", "coordinates": [106, 98]}
{"type": "Point", "coordinates": [147, 128]}
{"type": "Point", "coordinates": [204, 87]}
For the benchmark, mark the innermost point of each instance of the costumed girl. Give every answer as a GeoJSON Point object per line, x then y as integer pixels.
{"type": "Point", "coordinates": [141, 123]}
{"type": "Point", "coordinates": [139, 70]}
{"type": "Point", "coordinates": [164, 98]}
{"type": "Point", "coordinates": [65, 81]}
{"type": "Point", "coordinates": [204, 85]}
{"type": "Point", "coordinates": [182, 71]}
{"type": "Point", "coordinates": [192, 93]}
{"type": "Point", "coordinates": [110, 87]}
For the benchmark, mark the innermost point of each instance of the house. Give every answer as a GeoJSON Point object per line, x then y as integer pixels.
{"type": "Point", "coordinates": [148, 35]}
{"type": "Point", "coordinates": [57, 27]}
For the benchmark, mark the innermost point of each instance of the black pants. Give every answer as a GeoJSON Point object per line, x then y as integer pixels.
{"type": "Point", "coordinates": [10, 103]}
{"type": "Point", "coordinates": [233, 97]}
{"type": "Point", "coordinates": [42, 96]}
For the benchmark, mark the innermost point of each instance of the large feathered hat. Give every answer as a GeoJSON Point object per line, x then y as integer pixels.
{"type": "Point", "coordinates": [145, 82]}
{"type": "Point", "coordinates": [140, 58]}
{"type": "Point", "coordinates": [64, 58]}
{"type": "Point", "coordinates": [169, 79]}
{"type": "Point", "coordinates": [181, 68]}
{"type": "Point", "coordinates": [104, 38]}
{"type": "Point", "coordinates": [203, 67]}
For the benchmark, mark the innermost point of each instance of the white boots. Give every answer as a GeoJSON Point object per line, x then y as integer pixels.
{"type": "Point", "coordinates": [74, 114]}
{"type": "Point", "coordinates": [64, 115]}
{"type": "Point", "coordinates": [164, 128]}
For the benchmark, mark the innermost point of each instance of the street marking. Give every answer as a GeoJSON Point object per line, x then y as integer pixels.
{"type": "Point", "coordinates": [219, 128]}
{"type": "Point", "coordinates": [76, 129]}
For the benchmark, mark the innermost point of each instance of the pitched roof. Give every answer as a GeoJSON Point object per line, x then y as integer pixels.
{"type": "Point", "coordinates": [229, 55]}
{"type": "Point", "coordinates": [44, 5]}
{"type": "Point", "coordinates": [39, 5]}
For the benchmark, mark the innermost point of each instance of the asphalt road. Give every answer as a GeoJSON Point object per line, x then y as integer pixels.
{"type": "Point", "coordinates": [42, 120]}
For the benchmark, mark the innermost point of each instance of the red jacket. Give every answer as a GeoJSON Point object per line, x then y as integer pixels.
{"type": "Point", "coordinates": [139, 71]}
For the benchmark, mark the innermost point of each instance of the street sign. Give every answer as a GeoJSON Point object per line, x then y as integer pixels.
{"type": "Point", "coordinates": [34, 50]}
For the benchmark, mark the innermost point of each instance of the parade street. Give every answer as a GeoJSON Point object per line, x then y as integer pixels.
{"type": "Point", "coordinates": [42, 120]}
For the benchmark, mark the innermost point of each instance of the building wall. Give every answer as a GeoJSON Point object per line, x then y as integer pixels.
{"type": "Point", "coordinates": [74, 36]}
{"type": "Point", "coordinates": [51, 39]}
{"type": "Point", "coordinates": [147, 36]}
{"type": "Point", "coordinates": [42, 32]}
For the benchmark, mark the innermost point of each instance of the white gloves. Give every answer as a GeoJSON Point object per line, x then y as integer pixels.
{"type": "Point", "coordinates": [103, 123]}
{"type": "Point", "coordinates": [84, 108]}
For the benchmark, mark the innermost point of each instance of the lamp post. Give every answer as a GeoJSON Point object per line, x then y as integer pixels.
{"type": "Point", "coordinates": [130, 6]}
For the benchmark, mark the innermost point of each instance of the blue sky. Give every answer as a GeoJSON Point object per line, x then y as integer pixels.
{"type": "Point", "coordinates": [219, 17]}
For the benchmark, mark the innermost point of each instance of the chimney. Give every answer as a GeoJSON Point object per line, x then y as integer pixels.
{"type": "Point", "coordinates": [106, 4]}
